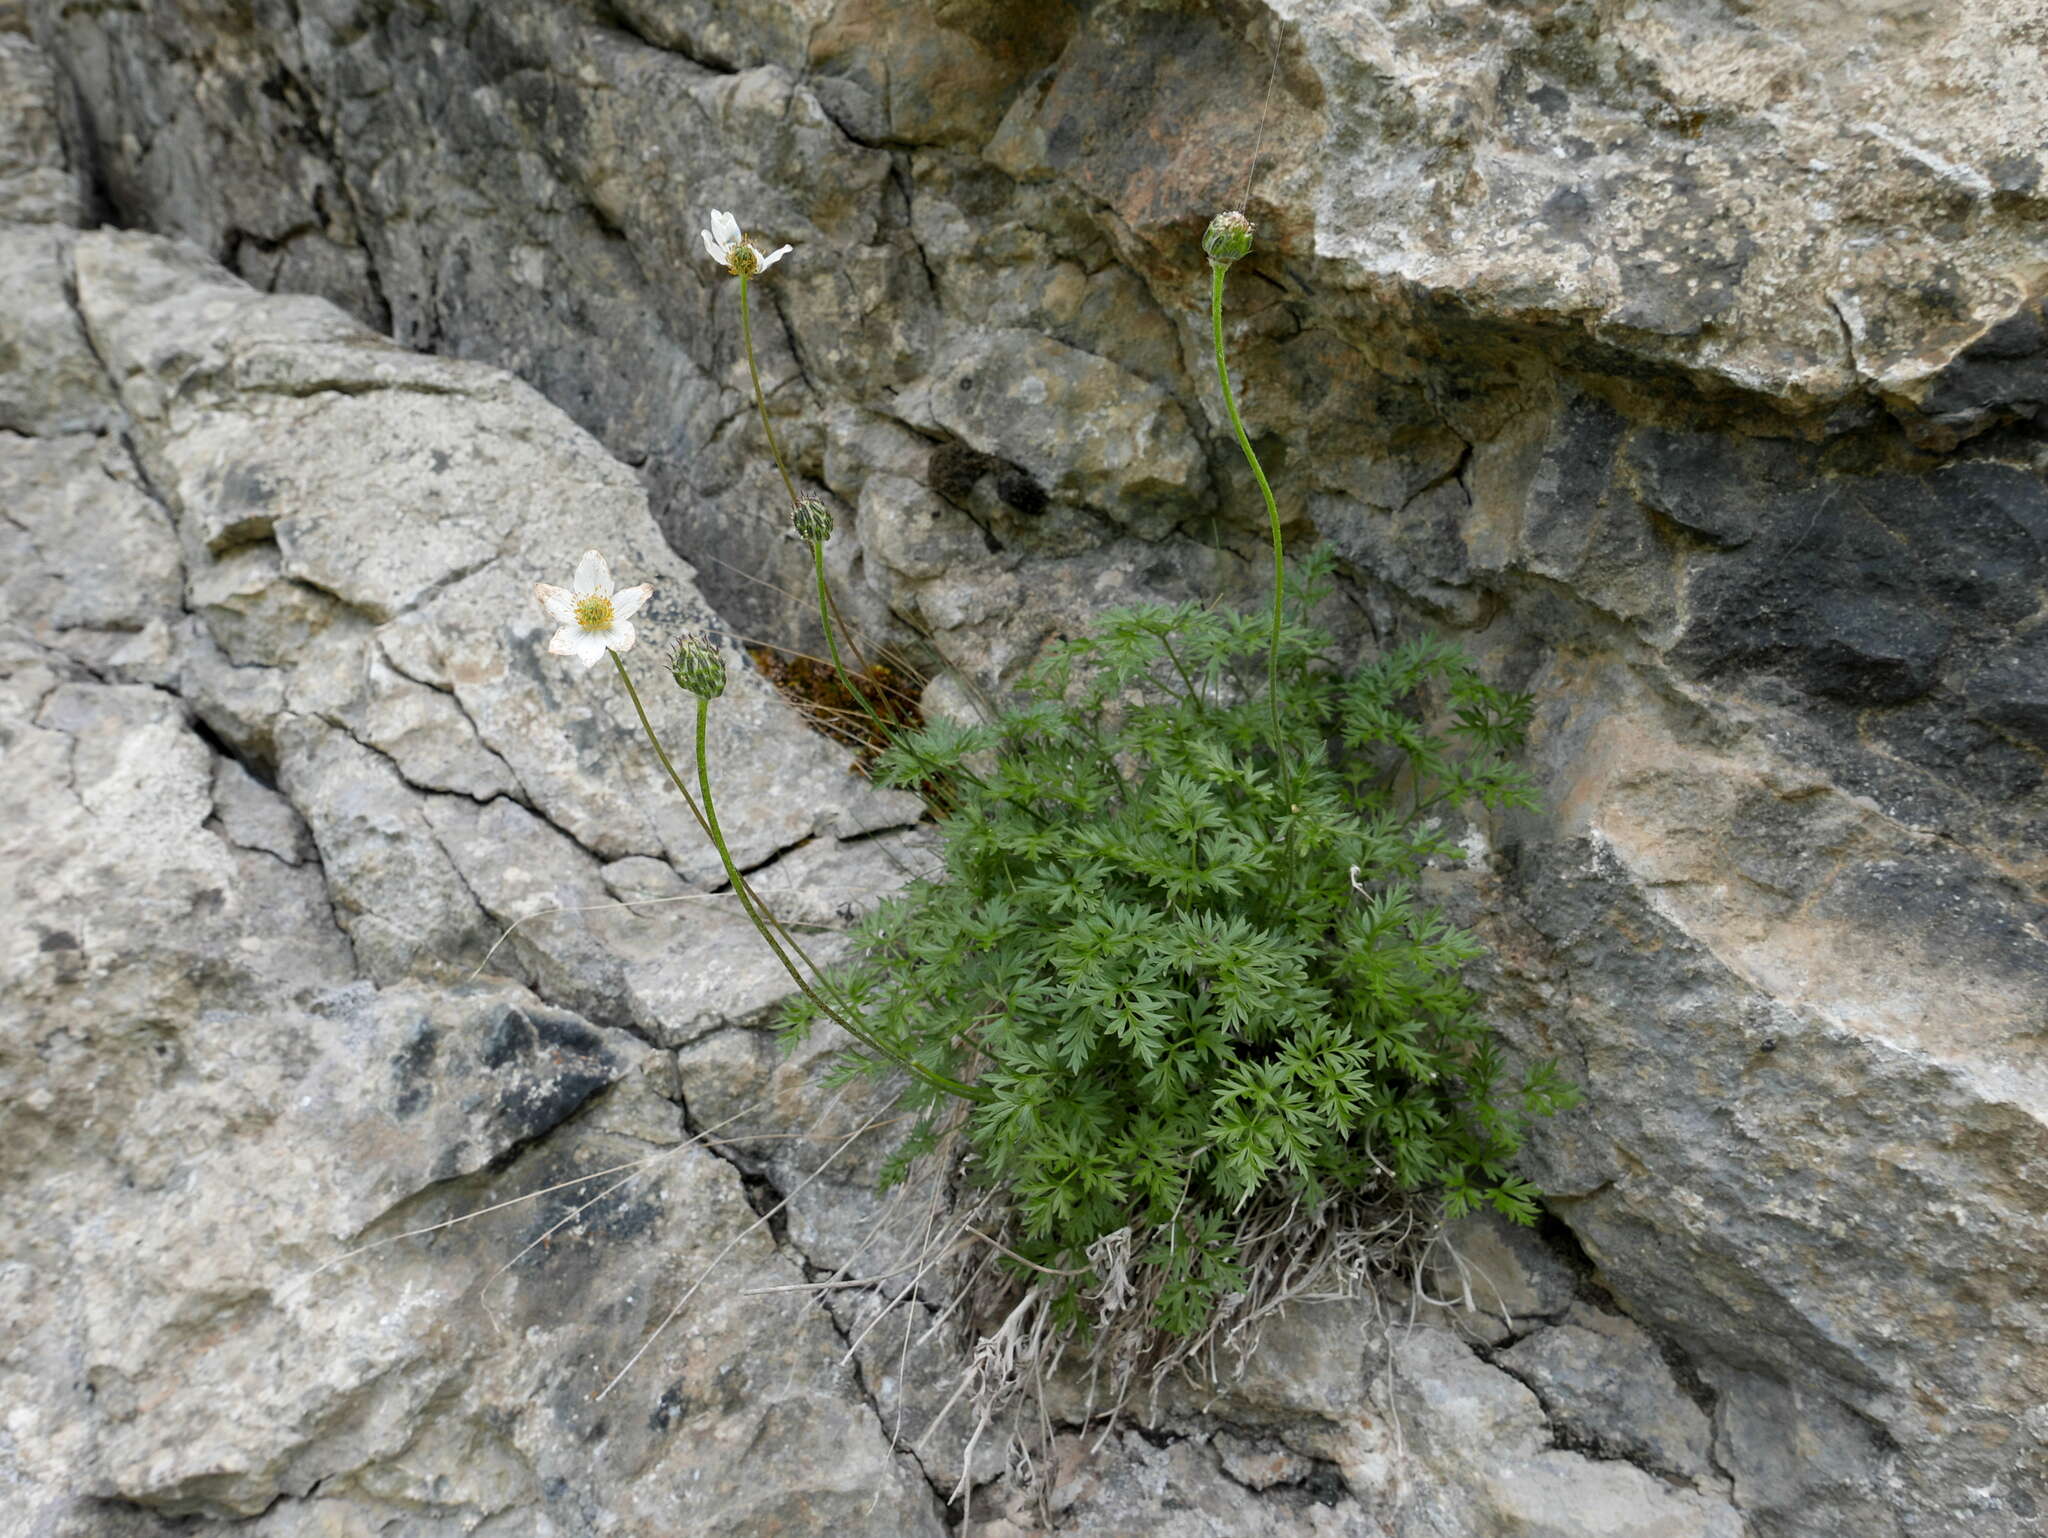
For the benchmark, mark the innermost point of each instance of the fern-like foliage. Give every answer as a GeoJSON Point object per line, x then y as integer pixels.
{"type": "Point", "coordinates": [1191, 964]}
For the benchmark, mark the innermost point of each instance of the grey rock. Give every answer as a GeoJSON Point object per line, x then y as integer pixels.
{"type": "Point", "coordinates": [637, 879]}
{"type": "Point", "coordinates": [829, 882]}
{"type": "Point", "coordinates": [911, 1364]}
{"type": "Point", "coordinates": [915, 532]}
{"type": "Point", "coordinates": [1088, 430]}
{"type": "Point", "coordinates": [821, 1145]}
{"type": "Point", "coordinates": [229, 1148]}
{"type": "Point", "coordinates": [405, 906]}
{"type": "Point", "coordinates": [1494, 1279]}
{"type": "Point", "coordinates": [1809, 1460]}
{"type": "Point", "coordinates": [36, 187]}
{"type": "Point", "coordinates": [254, 816]}
{"type": "Point", "coordinates": [1799, 957]}
{"type": "Point", "coordinates": [1313, 1359]}
{"type": "Point", "coordinates": [50, 382]}
{"type": "Point", "coordinates": [1180, 1491]}
{"type": "Point", "coordinates": [1565, 325]}
{"type": "Point", "coordinates": [425, 733]}
{"type": "Point", "coordinates": [456, 1079]}
{"type": "Point", "coordinates": [91, 559]}
{"type": "Point", "coordinates": [231, 388]}
{"type": "Point", "coordinates": [1474, 1455]}
{"type": "Point", "coordinates": [1603, 1383]}
{"type": "Point", "coordinates": [2010, 689]}
{"type": "Point", "coordinates": [1260, 1466]}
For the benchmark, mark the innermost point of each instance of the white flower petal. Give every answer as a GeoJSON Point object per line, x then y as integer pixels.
{"type": "Point", "coordinates": [558, 603]}
{"type": "Point", "coordinates": [775, 256]}
{"type": "Point", "coordinates": [593, 576]}
{"type": "Point", "coordinates": [620, 637]}
{"type": "Point", "coordinates": [726, 228]}
{"type": "Point", "coordinates": [586, 646]}
{"type": "Point", "coordinates": [626, 604]}
{"type": "Point", "coordinates": [566, 642]}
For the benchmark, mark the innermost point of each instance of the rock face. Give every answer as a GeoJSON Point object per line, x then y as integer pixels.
{"type": "Point", "coordinates": [1688, 361]}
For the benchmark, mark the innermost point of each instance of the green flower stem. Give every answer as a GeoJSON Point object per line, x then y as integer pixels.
{"type": "Point", "coordinates": [760, 398]}
{"type": "Point", "coordinates": [836, 618]}
{"type": "Point", "coordinates": [756, 911]}
{"type": "Point", "coordinates": [1217, 271]}
{"type": "Point", "coordinates": [931, 1076]}
{"type": "Point", "coordinates": [660, 752]}
{"type": "Point", "coordinates": [827, 612]}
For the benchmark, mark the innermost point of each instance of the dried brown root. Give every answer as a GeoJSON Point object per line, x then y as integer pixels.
{"type": "Point", "coordinates": [1018, 1339]}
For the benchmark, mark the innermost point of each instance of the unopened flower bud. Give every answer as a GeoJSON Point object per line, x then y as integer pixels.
{"type": "Point", "coordinates": [813, 521]}
{"type": "Point", "coordinates": [698, 667]}
{"type": "Point", "coordinates": [1228, 237]}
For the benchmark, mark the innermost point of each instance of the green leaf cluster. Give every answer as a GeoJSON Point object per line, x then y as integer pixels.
{"type": "Point", "coordinates": [1190, 962]}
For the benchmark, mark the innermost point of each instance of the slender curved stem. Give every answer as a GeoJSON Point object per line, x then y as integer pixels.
{"type": "Point", "coordinates": [660, 752]}
{"type": "Point", "coordinates": [826, 614]}
{"type": "Point", "coordinates": [1217, 271]}
{"type": "Point", "coordinates": [1194, 693]}
{"type": "Point", "coordinates": [757, 911]}
{"type": "Point", "coordinates": [852, 641]}
{"type": "Point", "coordinates": [827, 610]}
{"type": "Point", "coordinates": [760, 398]}
{"type": "Point", "coordinates": [931, 1076]}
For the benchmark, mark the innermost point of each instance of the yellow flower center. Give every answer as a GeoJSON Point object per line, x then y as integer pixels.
{"type": "Point", "coordinates": [594, 612]}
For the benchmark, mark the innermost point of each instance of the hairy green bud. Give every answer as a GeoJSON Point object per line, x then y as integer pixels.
{"type": "Point", "coordinates": [1228, 238]}
{"type": "Point", "coordinates": [813, 521]}
{"type": "Point", "coordinates": [698, 667]}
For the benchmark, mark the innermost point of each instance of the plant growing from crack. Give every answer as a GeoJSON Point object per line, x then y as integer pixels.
{"type": "Point", "coordinates": [1176, 989]}
{"type": "Point", "coordinates": [595, 622]}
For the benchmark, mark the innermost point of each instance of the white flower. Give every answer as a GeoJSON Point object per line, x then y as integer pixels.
{"type": "Point", "coordinates": [730, 248]}
{"type": "Point", "coordinates": [594, 619]}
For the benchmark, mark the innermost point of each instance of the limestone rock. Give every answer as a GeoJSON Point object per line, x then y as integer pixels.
{"type": "Point", "coordinates": [1475, 1456]}
{"type": "Point", "coordinates": [312, 1222]}
{"type": "Point", "coordinates": [1689, 361]}
{"type": "Point", "coordinates": [1602, 1382]}
{"type": "Point", "coordinates": [50, 382]}
{"type": "Point", "coordinates": [1180, 1491]}
{"type": "Point", "coordinates": [91, 558]}
{"type": "Point", "coordinates": [36, 187]}
{"type": "Point", "coordinates": [1493, 1279]}
{"type": "Point", "coordinates": [231, 388]}
{"type": "Point", "coordinates": [1088, 430]}
{"type": "Point", "coordinates": [1260, 1467]}
{"type": "Point", "coordinates": [909, 1364]}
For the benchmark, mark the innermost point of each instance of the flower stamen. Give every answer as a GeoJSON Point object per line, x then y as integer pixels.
{"type": "Point", "coordinates": [594, 611]}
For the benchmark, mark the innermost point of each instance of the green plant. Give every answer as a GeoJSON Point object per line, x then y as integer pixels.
{"type": "Point", "coordinates": [1176, 983]}
{"type": "Point", "coordinates": [1194, 982]}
